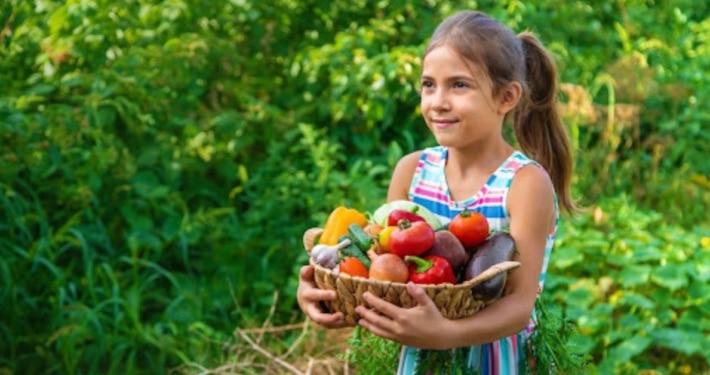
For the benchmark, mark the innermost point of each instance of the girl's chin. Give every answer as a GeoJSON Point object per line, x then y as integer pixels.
{"type": "Point", "coordinates": [447, 140]}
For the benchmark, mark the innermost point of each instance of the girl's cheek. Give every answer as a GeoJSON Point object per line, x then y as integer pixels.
{"type": "Point", "coordinates": [425, 100]}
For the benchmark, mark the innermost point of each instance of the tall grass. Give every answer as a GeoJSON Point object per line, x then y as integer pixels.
{"type": "Point", "coordinates": [71, 303]}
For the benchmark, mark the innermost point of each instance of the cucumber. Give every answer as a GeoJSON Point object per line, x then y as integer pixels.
{"type": "Point", "coordinates": [443, 227]}
{"type": "Point", "coordinates": [359, 237]}
{"type": "Point", "coordinates": [353, 251]}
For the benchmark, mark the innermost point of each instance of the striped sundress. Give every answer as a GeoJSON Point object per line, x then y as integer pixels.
{"type": "Point", "coordinates": [429, 189]}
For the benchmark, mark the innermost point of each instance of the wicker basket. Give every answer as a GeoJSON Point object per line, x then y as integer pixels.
{"type": "Point", "coordinates": [454, 301]}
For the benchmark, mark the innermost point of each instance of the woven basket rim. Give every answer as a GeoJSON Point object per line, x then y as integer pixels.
{"type": "Point", "coordinates": [486, 275]}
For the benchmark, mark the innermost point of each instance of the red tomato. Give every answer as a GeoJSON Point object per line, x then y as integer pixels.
{"type": "Point", "coordinates": [411, 238]}
{"type": "Point", "coordinates": [470, 227]}
{"type": "Point", "coordinates": [353, 267]}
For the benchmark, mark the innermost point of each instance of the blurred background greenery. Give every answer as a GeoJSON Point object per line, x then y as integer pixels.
{"type": "Point", "coordinates": [159, 161]}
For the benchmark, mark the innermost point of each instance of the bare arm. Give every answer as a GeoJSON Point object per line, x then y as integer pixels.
{"type": "Point", "coordinates": [531, 209]}
{"type": "Point", "coordinates": [309, 295]}
{"type": "Point", "coordinates": [532, 217]}
{"type": "Point", "coordinates": [402, 176]}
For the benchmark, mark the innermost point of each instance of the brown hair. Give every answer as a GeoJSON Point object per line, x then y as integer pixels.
{"type": "Point", "coordinates": [507, 58]}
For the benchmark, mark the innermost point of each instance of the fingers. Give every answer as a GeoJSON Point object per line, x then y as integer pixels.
{"type": "Point", "coordinates": [308, 290]}
{"type": "Point", "coordinates": [380, 317]}
{"type": "Point", "coordinates": [310, 297]}
{"type": "Point", "coordinates": [418, 294]}
{"type": "Point", "coordinates": [307, 286]}
{"type": "Point", "coordinates": [386, 319]}
{"type": "Point", "coordinates": [374, 324]}
{"type": "Point", "coordinates": [306, 273]}
{"type": "Point", "coordinates": [311, 294]}
{"type": "Point", "coordinates": [328, 320]}
{"type": "Point", "coordinates": [312, 308]}
{"type": "Point", "coordinates": [381, 305]}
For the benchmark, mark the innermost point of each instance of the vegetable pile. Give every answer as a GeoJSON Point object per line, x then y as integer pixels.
{"type": "Point", "coordinates": [404, 242]}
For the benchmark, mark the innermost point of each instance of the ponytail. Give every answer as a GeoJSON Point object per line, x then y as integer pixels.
{"type": "Point", "coordinates": [521, 58]}
{"type": "Point", "coordinates": [537, 123]}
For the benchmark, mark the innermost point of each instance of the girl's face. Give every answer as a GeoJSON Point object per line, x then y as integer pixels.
{"type": "Point", "coordinates": [457, 102]}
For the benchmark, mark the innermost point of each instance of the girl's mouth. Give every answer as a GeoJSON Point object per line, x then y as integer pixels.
{"type": "Point", "coordinates": [443, 124]}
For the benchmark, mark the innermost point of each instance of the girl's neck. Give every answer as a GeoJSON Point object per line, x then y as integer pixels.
{"type": "Point", "coordinates": [478, 160]}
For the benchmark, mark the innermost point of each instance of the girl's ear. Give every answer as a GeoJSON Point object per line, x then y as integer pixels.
{"type": "Point", "coordinates": [510, 97]}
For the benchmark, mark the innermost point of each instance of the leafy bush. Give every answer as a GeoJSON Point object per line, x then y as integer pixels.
{"type": "Point", "coordinates": [160, 161]}
{"type": "Point", "coordinates": [650, 276]}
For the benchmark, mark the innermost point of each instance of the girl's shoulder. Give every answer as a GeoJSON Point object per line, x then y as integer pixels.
{"type": "Point", "coordinates": [508, 170]}
{"type": "Point", "coordinates": [409, 161]}
{"type": "Point", "coordinates": [518, 160]}
{"type": "Point", "coordinates": [531, 180]}
{"type": "Point", "coordinates": [403, 175]}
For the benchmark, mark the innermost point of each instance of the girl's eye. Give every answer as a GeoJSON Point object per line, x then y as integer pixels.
{"type": "Point", "coordinates": [460, 85]}
{"type": "Point", "coordinates": [427, 84]}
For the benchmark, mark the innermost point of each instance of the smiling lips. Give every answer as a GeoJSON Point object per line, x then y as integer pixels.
{"type": "Point", "coordinates": [442, 124]}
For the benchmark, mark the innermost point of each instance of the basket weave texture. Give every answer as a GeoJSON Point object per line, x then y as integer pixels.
{"type": "Point", "coordinates": [454, 301]}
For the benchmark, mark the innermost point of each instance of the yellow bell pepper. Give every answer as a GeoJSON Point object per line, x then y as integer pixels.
{"type": "Point", "coordinates": [338, 222]}
{"type": "Point", "coordinates": [383, 238]}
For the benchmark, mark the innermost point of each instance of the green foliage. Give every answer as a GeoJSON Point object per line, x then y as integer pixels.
{"type": "Point", "coordinates": [551, 349]}
{"type": "Point", "coordinates": [372, 354]}
{"type": "Point", "coordinates": [552, 344]}
{"type": "Point", "coordinates": [444, 362]}
{"type": "Point", "coordinates": [159, 162]}
{"type": "Point", "coordinates": [649, 276]}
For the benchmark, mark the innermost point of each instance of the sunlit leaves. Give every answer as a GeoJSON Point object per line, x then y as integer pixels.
{"type": "Point", "coordinates": [646, 279]}
{"type": "Point", "coordinates": [196, 139]}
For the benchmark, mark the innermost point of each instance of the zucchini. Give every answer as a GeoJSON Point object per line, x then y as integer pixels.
{"type": "Point", "coordinates": [359, 237]}
{"type": "Point", "coordinates": [353, 251]}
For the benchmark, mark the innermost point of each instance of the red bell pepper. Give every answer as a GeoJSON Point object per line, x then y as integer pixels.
{"type": "Point", "coordinates": [431, 269]}
{"type": "Point", "coordinates": [399, 213]}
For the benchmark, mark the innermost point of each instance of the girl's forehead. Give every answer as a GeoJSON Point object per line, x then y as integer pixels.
{"type": "Point", "coordinates": [445, 60]}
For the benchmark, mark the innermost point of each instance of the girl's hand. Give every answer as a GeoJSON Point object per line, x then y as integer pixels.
{"type": "Point", "coordinates": [310, 296]}
{"type": "Point", "coordinates": [421, 326]}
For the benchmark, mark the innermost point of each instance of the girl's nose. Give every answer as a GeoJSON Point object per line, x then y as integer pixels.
{"type": "Point", "coordinates": [440, 101]}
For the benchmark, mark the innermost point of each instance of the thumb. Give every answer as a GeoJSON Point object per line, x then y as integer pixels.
{"type": "Point", "coordinates": [306, 273]}
{"type": "Point", "coordinates": [418, 294]}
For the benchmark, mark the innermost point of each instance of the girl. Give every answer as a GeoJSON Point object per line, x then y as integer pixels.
{"type": "Point", "coordinates": [476, 72]}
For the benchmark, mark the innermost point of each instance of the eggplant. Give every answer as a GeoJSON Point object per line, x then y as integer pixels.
{"type": "Point", "coordinates": [447, 246]}
{"type": "Point", "coordinates": [498, 247]}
